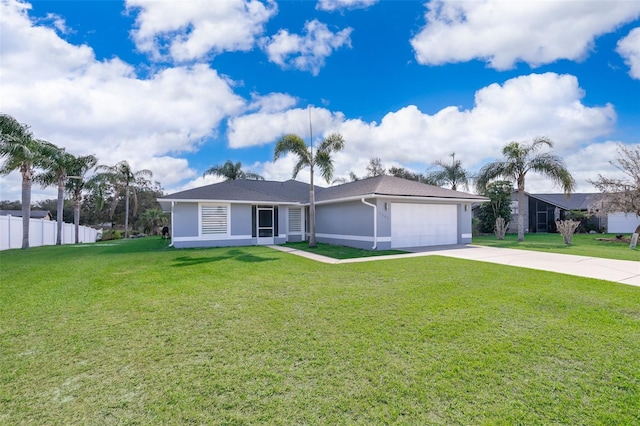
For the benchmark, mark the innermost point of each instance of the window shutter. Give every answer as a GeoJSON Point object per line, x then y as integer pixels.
{"type": "Point", "coordinates": [295, 220]}
{"type": "Point", "coordinates": [214, 220]}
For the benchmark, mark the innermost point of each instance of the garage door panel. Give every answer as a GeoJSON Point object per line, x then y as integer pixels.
{"type": "Point", "coordinates": [414, 225]}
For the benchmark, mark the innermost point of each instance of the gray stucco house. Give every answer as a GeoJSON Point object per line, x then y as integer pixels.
{"type": "Point", "coordinates": [378, 213]}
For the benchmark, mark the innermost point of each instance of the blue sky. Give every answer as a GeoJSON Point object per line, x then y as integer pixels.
{"type": "Point", "coordinates": [176, 87]}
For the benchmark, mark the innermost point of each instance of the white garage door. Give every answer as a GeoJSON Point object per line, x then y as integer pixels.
{"type": "Point", "coordinates": [415, 225]}
{"type": "Point", "coordinates": [622, 223]}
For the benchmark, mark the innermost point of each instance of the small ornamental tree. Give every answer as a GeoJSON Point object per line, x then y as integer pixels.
{"type": "Point", "coordinates": [501, 228]}
{"type": "Point", "coordinates": [567, 228]}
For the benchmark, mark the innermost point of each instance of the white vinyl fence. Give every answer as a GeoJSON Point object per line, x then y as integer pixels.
{"type": "Point", "coordinates": [41, 233]}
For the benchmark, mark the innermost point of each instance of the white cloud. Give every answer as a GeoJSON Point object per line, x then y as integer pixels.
{"type": "Point", "coordinates": [103, 108]}
{"type": "Point", "coordinates": [629, 49]}
{"type": "Point", "coordinates": [273, 102]}
{"type": "Point", "coordinates": [308, 52]}
{"type": "Point", "coordinates": [195, 183]}
{"type": "Point", "coordinates": [331, 5]}
{"type": "Point", "coordinates": [520, 109]}
{"type": "Point", "coordinates": [503, 33]}
{"type": "Point", "coordinates": [196, 28]}
{"type": "Point", "coordinates": [263, 127]}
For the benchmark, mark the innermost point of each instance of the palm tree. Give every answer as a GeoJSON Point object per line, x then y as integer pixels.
{"type": "Point", "coordinates": [449, 174]}
{"type": "Point", "coordinates": [76, 185]}
{"type": "Point", "coordinates": [152, 220]}
{"type": "Point", "coordinates": [57, 163]}
{"type": "Point", "coordinates": [231, 171]}
{"type": "Point", "coordinates": [121, 176]}
{"type": "Point", "coordinates": [19, 150]}
{"type": "Point", "coordinates": [519, 159]}
{"type": "Point", "coordinates": [306, 157]}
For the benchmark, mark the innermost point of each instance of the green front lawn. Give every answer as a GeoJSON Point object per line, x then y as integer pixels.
{"type": "Point", "coordinates": [581, 245]}
{"type": "Point", "coordinates": [340, 252]}
{"type": "Point", "coordinates": [132, 332]}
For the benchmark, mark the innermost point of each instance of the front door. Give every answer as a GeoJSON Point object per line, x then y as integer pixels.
{"type": "Point", "coordinates": [542, 225]}
{"type": "Point", "coordinates": [264, 225]}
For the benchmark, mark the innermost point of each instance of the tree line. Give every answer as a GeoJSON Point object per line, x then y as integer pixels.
{"type": "Point", "coordinates": [19, 150]}
{"type": "Point", "coordinates": [47, 164]}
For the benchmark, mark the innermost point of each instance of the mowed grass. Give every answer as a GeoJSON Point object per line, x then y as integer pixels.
{"type": "Point", "coordinates": [581, 245]}
{"type": "Point", "coordinates": [340, 252]}
{"type": "Point", "coordinates": [133, 332]}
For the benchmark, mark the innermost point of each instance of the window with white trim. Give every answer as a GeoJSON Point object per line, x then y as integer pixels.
{"type": "Point", "coordinates": [514, 207]}
{"type": "Point", "coordinates": [295, 220]}
{"type": "Point", "coordinates": [214, 220]}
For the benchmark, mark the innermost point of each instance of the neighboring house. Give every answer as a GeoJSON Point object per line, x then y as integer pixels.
{"type": "Point", "coordinates": [35, 214]}
{"type": "Point", "coordinates": [544, 209]}
{"type": "Point", "coordinates": [378, 213]}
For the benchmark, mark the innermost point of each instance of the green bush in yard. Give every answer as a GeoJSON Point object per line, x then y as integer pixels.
{"type": "Point", "coordinates": [111, 234]}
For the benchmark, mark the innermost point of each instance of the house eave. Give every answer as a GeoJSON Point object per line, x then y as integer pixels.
{"type": "Point", "coordinates": [227, 201]}
{"type": "Point", "coordinates": [456, 200]}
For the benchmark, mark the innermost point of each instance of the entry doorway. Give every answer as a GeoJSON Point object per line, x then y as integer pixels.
{"type": "Point", "coordinates": [265, 225]}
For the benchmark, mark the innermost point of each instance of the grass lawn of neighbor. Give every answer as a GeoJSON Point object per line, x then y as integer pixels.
{"type": "Point", "coordinates": [134, 332]}
{"type": "Point", "coordinates": [591, 245]}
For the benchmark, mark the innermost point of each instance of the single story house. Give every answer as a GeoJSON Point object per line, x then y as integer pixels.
{"type": "Point", "coordinates": [34, 214]}
{"type": "Point", "coordinates": [378, 213]}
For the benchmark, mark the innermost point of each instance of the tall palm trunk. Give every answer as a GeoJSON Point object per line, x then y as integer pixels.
{"type": "Point", "coordinates": [312, 213]}
{"type": "Point", "coordinates": [521, 210]}
{"type": "Point", "coordinates": [76, 215]}
{"type": "Point", "coordinates": [60, 215]}
{"type": "Point", "coordinates": [26, 204]}
{"type": "Point", "coordinates": [126, 212]}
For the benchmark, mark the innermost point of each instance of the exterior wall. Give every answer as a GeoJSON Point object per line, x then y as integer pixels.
{"type": "Point", "coordinates": [464, 223]}
{"type": "Point", "coordinates": [282, 223]}
{"type": "Point", "coordinates": [240, 219]}
{"type": "Point", "coordinates": [185, 220]}
{"type": "Point", "coordinates": [384, 221]}
{"type": "Point", "coordinates": [513, 223]}
{"type": "Point", "coordinates": [349, 224]}
{"type": "Point", "coordinates": [350, 218]}
{"type": "Point", "coordinates": [186, 232]}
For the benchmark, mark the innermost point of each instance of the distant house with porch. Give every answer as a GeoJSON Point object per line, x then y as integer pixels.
{"type": "Point", "coordinates": [542, 211]}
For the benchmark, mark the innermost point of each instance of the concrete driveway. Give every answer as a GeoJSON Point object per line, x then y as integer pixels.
{"type": "Point", "coordinates": [621, 271]}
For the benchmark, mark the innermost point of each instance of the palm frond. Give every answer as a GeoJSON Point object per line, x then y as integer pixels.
{"type": "Point", "coordinates": [325, 164]}
{"type": "Point", "coordinates": [292, 144]}
{"type": "Point", "coordinates": [553, 167]}
{"type": "Point", "coordinates": [491, 171]}
{"type": "Point", "coordinates": [332, 143]}
{"type": "Point", "coordinates": [299, 165]}
{"type": "Point", "coordinates": [253, 176]}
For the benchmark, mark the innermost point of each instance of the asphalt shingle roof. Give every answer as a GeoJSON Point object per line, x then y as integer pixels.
{"type": "Point", "coordinates": [391, 186]}
{"type": "Point", "coordinates": [292, 191]}
{"type": "Point", "coordinates": [578, 201]}
{"type": "Point", "coordinates": [247, 190]}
